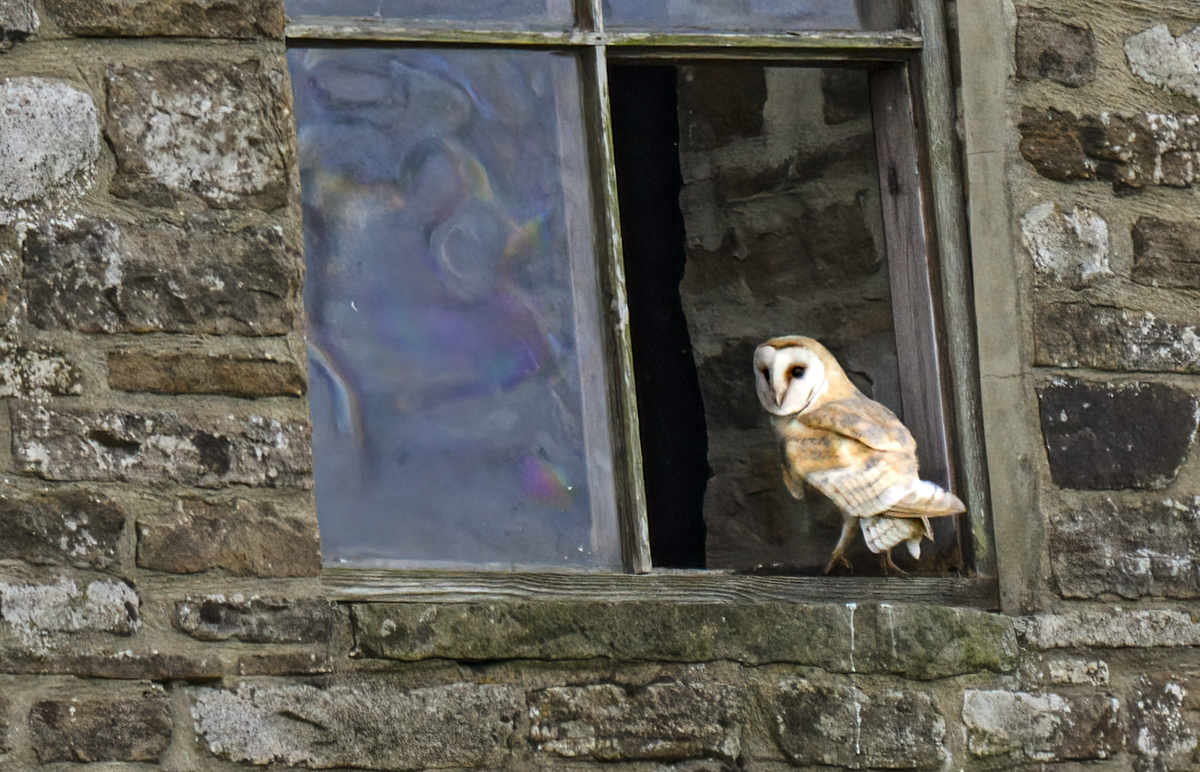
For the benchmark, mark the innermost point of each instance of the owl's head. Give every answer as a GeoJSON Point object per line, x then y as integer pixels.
{"type": "Point", "coordinates": [793, 373]}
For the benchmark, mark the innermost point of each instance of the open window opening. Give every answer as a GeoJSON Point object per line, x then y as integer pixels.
{"type": "Point", "coordinates": [542, 243]}
{"type": "Point", "coordinates": [750, 207]}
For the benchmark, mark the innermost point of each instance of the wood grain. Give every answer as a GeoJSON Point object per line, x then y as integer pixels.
{"type": "Point", "coordinates": [627, 446]}
{"type": "Point", "coordinates": [960, 332]}
{"type": "Point", "coordinates": [392, 30]}
{"type": "Point", "coordinates": [905, 228]}
{"type": "Point", "coordinates": [679, 586]}
{"type": "Point", "coordinates": [911, 262]}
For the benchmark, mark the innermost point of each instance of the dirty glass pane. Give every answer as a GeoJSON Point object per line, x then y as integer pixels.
{"type": "Point", "coordinates": [450, 301]}
{"type": "Point", "coordinates": [730, 15]}
{"type": "Point", "coordinates": [539, 14]}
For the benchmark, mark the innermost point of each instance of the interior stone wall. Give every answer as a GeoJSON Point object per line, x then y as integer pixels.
{"type": "Point", "coordinates": [161, 599]}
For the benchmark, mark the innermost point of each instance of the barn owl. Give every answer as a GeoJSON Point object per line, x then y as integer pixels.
{"type": "Point", "coordinates": [850, 448]}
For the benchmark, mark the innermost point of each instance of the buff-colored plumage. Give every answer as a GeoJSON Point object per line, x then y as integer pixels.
{"type": "Point", "coordinates": [850, 448]}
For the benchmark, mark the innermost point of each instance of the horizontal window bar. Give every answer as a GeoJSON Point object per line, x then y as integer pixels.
{"type": "Point", "coordinates": [391, 30]}
{"type": "Point", "coordinates": [385, 30]}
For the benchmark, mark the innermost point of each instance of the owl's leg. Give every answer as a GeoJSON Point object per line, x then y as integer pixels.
{"type": "Point", "coordinates": [849, 526]}
{"type": "Point", "coordinates": [889, 567]}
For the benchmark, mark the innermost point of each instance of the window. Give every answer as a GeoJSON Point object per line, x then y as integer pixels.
{"type": "Point", "coordinates": [497, 219]}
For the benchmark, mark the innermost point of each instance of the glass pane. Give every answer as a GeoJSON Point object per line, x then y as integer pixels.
{"type": "Point", "coordinates": [724, 15]}
{"type": "Point", "coordinates": [539, 14]}
{"type": "Point", "coordinates": [750, 209]}
{"type": "Point", "coordinates": [451, 302]}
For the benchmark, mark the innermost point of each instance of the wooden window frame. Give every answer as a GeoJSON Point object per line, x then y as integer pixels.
{"type": "Point", "coordinates": [925, 232]}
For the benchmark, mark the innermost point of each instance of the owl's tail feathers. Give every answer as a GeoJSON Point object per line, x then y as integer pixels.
{"type": "Point", "coordinates": [926, 499]}
{"type": "Point", "coordinates": [883, 533]}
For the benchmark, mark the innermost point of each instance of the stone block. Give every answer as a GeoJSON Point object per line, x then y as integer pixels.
{"type": "Point", "coordinates": [169, 18]}
{"type": "Point", "coordinates": [1045, 727]}
{"type": "Point", "coordinates": [1129, 151]}
{"type": "Point", "coordinates": [243, 538]}
{"type": "Point", "coordinates": [36, 373]}
{"type": "Point", "coordinates": [49, 141]}
{"type": "Point", "coordinates": [127, 664]}
{"type": "Point", "coordinates": [372, 723]}
{"type": "Point", "coordinates": [1163, 737]}
{"type": "Point", "coordinates": [1112, 629]}
{"type": "Point", "coordinates": [844, 95]}
{"type": "Point", "coordinates": [1108, 338]}
{"type": "Point", "coordinates": [278, 663]}
{"type": "Point", "coordinates": [1054, 50]}
{"type": "Point", "coordinates": [659, 631]}
{"type": "Point", "coordinates": [1076, 671]}
{"type": "Point", "coordinates": [204, 451]}
{"type": "Point", "coordinates": [925, 642]}
{"type": "Point", "coordinates": [18, 20]}
{"type": "Point", "coordinates": [34, 612]}
{"type": "Point", "coordinates": [705, 123]}
{"type": "Point", "coordinates": [1134, 551]}
{"type": "Point", "coordinates": [1166, 253]}
{"type": "Point", "coordinates": [610, 722]}
{"type": "Point", "coordinates": [201, 132]}
{"type": "Point", "coordinates": [61, 528]}
{"type": "Point", "coordinates": [840, 724]}
{"type": "Point", "coordinates": [1164, 60]}
{"type": "Point", "coordinates": [258, 620]}
{"type": "Point", "coordinates": [98, 729]}
{"type": "Point", "coordinates": [1106, 436]}
{"type": "Point", "coordinates": [187, 373]}
{"type": "Point", "coordinates": [1069, 248]}
{"type": "Point", "coordinates": [95, 275]}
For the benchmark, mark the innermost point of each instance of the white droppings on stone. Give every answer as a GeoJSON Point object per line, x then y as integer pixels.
{"type": "Point", "coordinates": [1068, 247]}
{"type": "Point", "coordinates": [49, 143]}
{"type": "Point", "coordinates": [1169, 62]}
{"type": "Point", "coordinates": [852, 607]}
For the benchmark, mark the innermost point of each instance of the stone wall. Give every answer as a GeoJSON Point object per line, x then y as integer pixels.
{"type": "Point", "coordinates": [160, 599]}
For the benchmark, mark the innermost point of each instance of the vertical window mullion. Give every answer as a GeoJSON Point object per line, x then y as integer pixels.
{"type": "Point", "coordinates": [589, 15]}
{"type": "Point", "coordinates": [936, 88]}
{"type": "Point", "coordinates": [627, 448]}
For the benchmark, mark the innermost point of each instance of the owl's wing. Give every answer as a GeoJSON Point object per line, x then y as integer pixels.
{"type": "Point", "coordinates": [863, 420]}
{"type": "Point", "coordinates": [866, 487]}
{"type": "Point", "coordinates": [793, 481]}
{"type": "Point", "coordinates": [926, 499]}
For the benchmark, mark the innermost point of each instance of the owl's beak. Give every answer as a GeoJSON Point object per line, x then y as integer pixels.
{"type": "Point", "coordinates": [780, 391]}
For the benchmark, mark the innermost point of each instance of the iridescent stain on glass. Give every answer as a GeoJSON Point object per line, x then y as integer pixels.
{"type": "Point", "coordinates": [728, 15]}
{"type": "Point", "coordinates": [541, 14]}
{"type": "Point", "coordinates": [448, 242]}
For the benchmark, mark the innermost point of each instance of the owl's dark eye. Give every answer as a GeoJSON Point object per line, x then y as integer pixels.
{"type": "Point", "coordinates": [797, 372]}
{"type": "Point", "coordinates": [766, 375]}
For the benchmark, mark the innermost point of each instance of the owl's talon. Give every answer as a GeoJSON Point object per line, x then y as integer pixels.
{"type": "Point", "coordinates": [837, 560]}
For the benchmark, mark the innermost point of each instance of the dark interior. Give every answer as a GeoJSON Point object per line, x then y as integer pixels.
{"type": "Point", "coordinates": [670, 408]}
